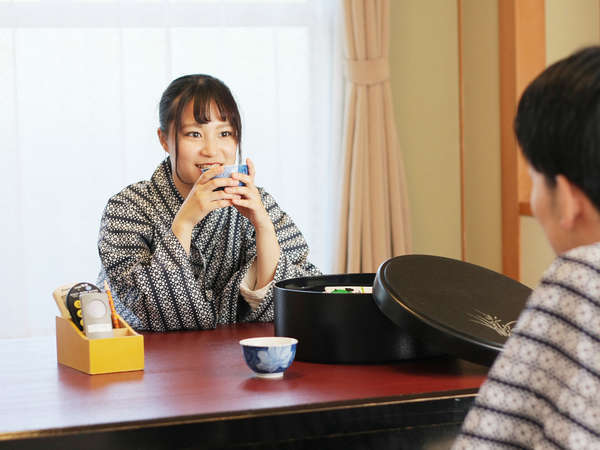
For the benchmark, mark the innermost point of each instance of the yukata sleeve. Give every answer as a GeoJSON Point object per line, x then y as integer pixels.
{"type": "Point", "coordinates": [293, 259]}
{"type": "Point", "coordinates": [155, 282]}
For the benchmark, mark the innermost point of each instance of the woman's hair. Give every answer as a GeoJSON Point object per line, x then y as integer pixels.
{"type": "Point", "coordinates": [558, 122]}
{"type": "Point", "coordinates": [202, 90]}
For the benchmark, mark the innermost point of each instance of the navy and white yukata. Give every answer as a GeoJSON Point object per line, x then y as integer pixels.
{"type": "Point", "coordinates": [157, 286]}
{"type": "Point", "coordinates": [543, 390]}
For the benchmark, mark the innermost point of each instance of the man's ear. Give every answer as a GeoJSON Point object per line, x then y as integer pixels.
{"type": "Point", "coordinates": [569, 202]}
{"type": "Point", "coordinates": [162, 137]}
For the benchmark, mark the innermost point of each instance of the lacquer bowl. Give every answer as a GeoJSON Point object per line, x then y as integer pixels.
{"type": "Point", "coordinates": [269, 357]}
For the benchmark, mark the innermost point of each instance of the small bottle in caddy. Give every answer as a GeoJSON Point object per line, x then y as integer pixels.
{"type": "Point", "coordinates": [90, 309]}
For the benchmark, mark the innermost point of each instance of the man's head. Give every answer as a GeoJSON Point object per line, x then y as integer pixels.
{"type": "Point", "coordinates": [558, 127]}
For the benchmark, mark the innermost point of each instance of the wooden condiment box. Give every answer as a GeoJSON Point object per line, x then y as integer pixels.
{"type": "Point", "coordinates": [122, 353]}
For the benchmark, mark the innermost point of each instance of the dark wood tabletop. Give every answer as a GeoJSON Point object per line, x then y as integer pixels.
{"type": "Point", "coordinates": [200, 376]}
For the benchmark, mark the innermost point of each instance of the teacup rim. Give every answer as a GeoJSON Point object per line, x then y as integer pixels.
{"type": "Point", "coordinates": [226, 166]}
{"type": "Point", "coordinates": [268, 341]}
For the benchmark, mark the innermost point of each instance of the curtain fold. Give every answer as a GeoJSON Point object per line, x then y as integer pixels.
{"type": "Point", "coordinates": [374, 220]}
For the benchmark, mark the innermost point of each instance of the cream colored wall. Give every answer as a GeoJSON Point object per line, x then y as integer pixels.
{"type": "Point", "coordinates": [536, 253]}
{"type": "Point", "coordinates": [569, 25]}
{"type": "Point", "coordinates": [424, 79]}
{"type": "Point", "coordinates": [424, 67]}
{"type": "Point", "coordinates": [481, 113]}
{"type": "Point", "coordinates": [424, 64]}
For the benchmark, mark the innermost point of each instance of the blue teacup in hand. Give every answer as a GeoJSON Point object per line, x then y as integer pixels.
{"type": "Point", "coordinates": [228, 170]}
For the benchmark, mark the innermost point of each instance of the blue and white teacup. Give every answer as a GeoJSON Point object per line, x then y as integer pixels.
{"type": "Point", "coordinates": [228, 170]}
{"type": "Point", "coordinates": [269, 357]}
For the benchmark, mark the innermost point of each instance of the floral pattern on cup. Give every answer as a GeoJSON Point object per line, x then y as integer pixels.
{"type": "Point", "coordinates": [274, 358]}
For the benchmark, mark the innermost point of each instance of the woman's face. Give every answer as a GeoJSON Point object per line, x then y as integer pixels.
{"type": "Point", "coordinates": [200, 147]}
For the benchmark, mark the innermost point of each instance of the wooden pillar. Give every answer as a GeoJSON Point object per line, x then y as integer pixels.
{"type": "Point", "coordinates": [522, 41]}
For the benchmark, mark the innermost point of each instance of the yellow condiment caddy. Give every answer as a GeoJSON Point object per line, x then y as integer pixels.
{"type": "Point", "coordinates": [121, 353]}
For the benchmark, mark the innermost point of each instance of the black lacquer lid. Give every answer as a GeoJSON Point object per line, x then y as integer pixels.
{"type": "Point", "coordinates": [463, 309]}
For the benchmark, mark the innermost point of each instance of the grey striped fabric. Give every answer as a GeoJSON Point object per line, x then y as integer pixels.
{"type": "Point", "coordinates": [158, 287]}
{"type": "Point", "coordinates": [543, 391]}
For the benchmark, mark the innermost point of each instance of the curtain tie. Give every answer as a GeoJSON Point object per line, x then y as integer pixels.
{"type": "Point", "coordinates": [367, 71]}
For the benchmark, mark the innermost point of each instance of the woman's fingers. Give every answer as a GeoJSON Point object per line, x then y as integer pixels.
{"type": "Point", "coordinates": [222, 201]}
{"type": "Point", "coordinates": [250, 193]}
{"type": "Point", "coordinates": [212, 196]}
{"type": "Point", "coordinates": [251, 168]}
{"type": "Point", "coordinates": [228, 197]}
{"type": "Point", "coordinates": [244, 203]}
{"type": "Point", "coordinates": [229, 191]}
{"type": "Point", "coordinates": [219, 183]}
{"type": "Point", "coordinates": [222, 204]}
{"type": "Point", "coordinates": [248, 198]}
{"type": "Point", "coordinates": [241, 190]}
{"type": "Point", "coordinates": [248, 180]}
{"type": "Point", "coordinates": [209, 174]}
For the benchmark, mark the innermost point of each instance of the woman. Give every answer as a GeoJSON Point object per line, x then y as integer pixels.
{"type": "Point", "coordinates": [178, 252]}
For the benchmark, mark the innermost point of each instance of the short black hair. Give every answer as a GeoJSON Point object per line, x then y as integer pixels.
{"type": "Point", "coordinates": [558, 122]}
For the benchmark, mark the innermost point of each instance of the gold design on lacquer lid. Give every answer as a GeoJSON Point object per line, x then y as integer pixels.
{"type": "Point", "coordinates": [493, 322]}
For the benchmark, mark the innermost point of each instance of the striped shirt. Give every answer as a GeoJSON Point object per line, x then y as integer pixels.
{"type": "Point", "coordinates": [543, 391]}
{"type": "Point", "coordinates": [157, 286]}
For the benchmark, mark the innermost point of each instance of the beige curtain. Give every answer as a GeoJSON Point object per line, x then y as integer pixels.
{"type": "Point", "coordinates": [374, 210]}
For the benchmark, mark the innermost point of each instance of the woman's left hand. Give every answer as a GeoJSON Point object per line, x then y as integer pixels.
{"type": "Point", "coordinates": [249, 205]}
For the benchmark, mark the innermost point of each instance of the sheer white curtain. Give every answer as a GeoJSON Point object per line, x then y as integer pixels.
{"type": "Point", "coordinates": [80, 83]}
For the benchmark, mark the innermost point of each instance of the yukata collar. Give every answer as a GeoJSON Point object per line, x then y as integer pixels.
{"type": "Point", "coordinates": [588, 252]}
{"type": "Point", "coordinates": [162, 178]}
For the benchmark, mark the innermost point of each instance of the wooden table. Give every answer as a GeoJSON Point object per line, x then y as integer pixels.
{"type": "Point", "coordinates": [197, 392]}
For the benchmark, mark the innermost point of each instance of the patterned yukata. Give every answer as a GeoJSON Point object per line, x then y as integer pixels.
{"type": "Point", "coordinates": [543, 391]}
{"type": "Point", "coordinates": [157, 286]}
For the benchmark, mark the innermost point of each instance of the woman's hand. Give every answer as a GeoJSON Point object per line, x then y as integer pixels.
{"type": "Point", "coordinates": [249, 203]}
{"type": "Point", "coordinates": [201, 200]}
{"type": "Point", "coordinates": [251, 206]}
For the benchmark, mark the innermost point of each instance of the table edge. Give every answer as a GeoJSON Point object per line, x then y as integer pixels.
{"type": "Point", "coordinates": [240, 415]}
